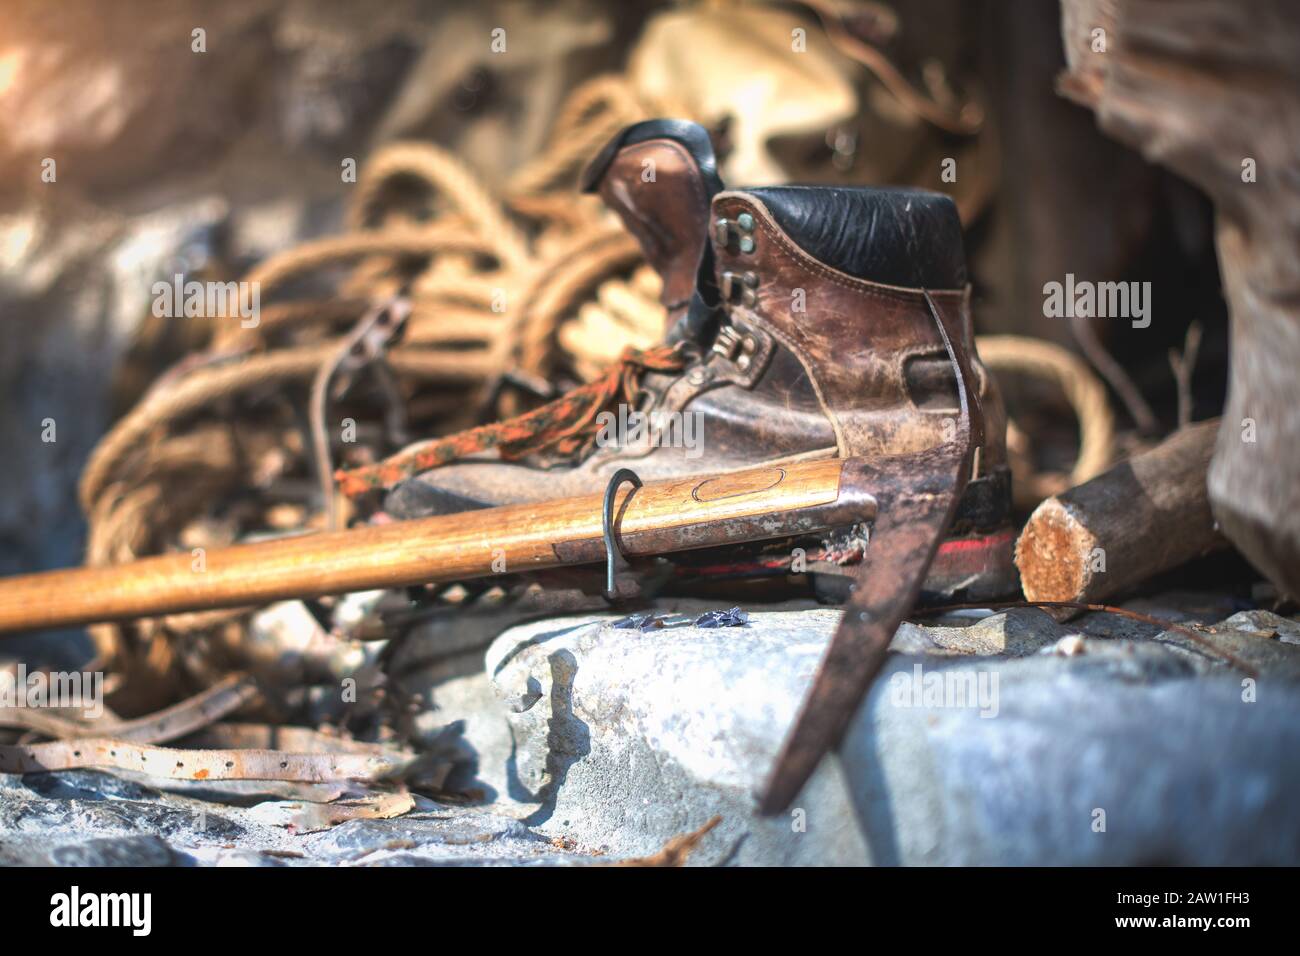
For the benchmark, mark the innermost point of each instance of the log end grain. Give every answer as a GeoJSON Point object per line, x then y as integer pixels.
{"type": "Point", "coordinates": [1054, 553]}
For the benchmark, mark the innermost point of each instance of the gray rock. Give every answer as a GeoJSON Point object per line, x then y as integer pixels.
{"type": "Point", "coordinates": [77, 818]}
{"type": "Point", "coordinates": [1015, 633]}
{"type": "Point", "coordinates": [98, 851]}
{"type": "Point", "coordinates": [1177, 770]}
{"type": "Point", "coordinates": [623, 739]}
{"type": "Point", "coordinates": [452, 835]}
{"type": "Point", "coordinates": [1265, 624]}
{"type": "Point", "coordinates": [1011, 739]}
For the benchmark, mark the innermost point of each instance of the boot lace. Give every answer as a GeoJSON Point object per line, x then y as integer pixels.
{"type": "Point", "coordinates": [565, 427]}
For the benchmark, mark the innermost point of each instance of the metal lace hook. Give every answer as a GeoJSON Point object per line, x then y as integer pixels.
{"type": "Point", "coordinates": [612, 553]}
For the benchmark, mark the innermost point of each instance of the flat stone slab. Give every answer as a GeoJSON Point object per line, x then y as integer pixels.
{"type": "Point", "coordinates": [1010, 740]}
{"type": "Point", "coordinates": [1003, 739]}
{"type": "Point", "coordinates": [90, 818]}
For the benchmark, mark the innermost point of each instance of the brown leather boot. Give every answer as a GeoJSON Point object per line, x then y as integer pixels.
{"type": "Point", "coordinates": [821, 345]}
{"type": "Point", "coordinates": [659, 176]}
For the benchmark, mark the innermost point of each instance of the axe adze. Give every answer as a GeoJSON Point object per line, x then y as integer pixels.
{"type": "Point", "coordinates": [915, 498]}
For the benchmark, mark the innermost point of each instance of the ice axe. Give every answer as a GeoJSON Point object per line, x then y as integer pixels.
{"type": "Point", "coordinates": [908, 499]}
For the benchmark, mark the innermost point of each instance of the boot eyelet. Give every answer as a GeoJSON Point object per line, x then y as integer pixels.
{"type": "Point", "coordinates": [742, 227]}
{"type": "Point", "coordinates": [748, 346]}
{"type": "Point", "coordinates": [748, 284]}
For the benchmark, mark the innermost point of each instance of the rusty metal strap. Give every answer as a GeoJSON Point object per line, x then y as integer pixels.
{"type": "Point", "coordinates": [109, 753]}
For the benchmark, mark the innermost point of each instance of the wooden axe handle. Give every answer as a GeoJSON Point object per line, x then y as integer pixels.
{"type": "Point", "coordinates": [660, 517]}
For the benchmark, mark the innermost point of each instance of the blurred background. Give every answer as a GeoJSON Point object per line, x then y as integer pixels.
{"type": "Point", "coordinates": [211, 138]}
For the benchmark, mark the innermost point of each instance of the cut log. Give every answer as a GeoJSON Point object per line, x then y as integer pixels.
{"type": "Point", "coordinates": [1140, 518]}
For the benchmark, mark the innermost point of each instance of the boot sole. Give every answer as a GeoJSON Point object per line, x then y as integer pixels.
{"type": "Point", "coordinates": [974, 563]}
{"type": "Point", "coordinates": [973, 567]}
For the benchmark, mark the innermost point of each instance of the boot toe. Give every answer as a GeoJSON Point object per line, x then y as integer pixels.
{"type": "Point", "coordinates": [418, 498]}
